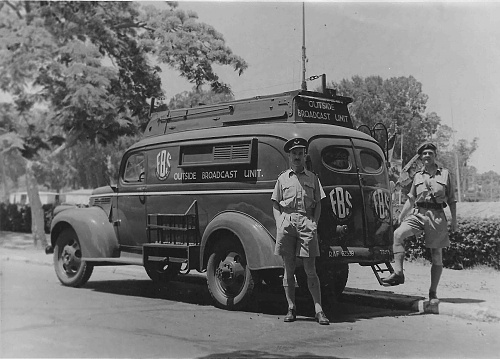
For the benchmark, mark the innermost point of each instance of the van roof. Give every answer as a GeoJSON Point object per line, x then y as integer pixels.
{"type": "Point", "coordinates": [272, 129]}
{"type": "Point", "coordinates": [295, 106]}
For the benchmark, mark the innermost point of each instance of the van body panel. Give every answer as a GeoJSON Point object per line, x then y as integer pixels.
{"type": "Point", "coordinates": [96, 234]}
{"type": "Point", "coordinates": [257, 242]}
{"type": "Point", "coordinates": [130, 212]}
{"type": "Point", "coordinates": [246, 186]}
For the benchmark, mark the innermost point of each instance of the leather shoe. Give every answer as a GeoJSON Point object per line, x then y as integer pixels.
{"type": "Point", "coordinates": [291, 316]}
{"type": "Point", "coordinates": [393, 279]}
{"type": "Point", "coordinates": [321, 318]}
{"type": "Point", "coordinates": [433, 299]}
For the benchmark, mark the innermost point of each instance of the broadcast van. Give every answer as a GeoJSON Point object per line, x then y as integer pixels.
{"type": "Point", "coordinates": [195, 194]}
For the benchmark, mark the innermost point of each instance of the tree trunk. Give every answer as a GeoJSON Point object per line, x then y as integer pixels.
{"type": "Point", "coordinates": [4, 178]}
{"type": "Point", "coordinates": [37, 215]}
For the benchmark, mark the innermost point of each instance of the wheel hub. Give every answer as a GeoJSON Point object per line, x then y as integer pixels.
{"type": "Point", "coordinates": [230, 271]}
{"type": "Point", "coordinates": [69, 259]}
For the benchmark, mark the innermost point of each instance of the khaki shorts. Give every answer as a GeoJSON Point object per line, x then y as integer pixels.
{"type": "Point", "coordinates": [297, 236]}
{"type": "Point", "coordinates": [430, 221]}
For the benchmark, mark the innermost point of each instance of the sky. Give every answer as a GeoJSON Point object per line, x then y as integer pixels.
{"type": "Point", "coordinates": [453, 49]}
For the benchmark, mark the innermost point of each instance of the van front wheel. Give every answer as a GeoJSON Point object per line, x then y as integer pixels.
{"type": "Point", "coordinates": [71, 270]}
{"type": "Point", "coordinates": [229, 279]}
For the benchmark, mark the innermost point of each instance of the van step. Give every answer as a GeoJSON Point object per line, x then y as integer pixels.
{"type": "Point", "coordinates": [377, 269]}
{"type": "Point", "coordinates": [172, 253]}
{"type": "Point", "coordinates": [174, 228]}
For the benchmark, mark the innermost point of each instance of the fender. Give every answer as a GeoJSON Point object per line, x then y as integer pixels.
{"type": "Point", "coordinates": [96, 234]}
{"type": "Point", "coordinates": [257, 242]}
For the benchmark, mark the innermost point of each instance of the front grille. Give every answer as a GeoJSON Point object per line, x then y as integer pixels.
{"type": "Point", "coordinates": [99, 201]}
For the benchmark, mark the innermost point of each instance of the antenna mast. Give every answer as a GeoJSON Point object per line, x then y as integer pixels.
{"type": "Point", "coordinates": [304, 85]}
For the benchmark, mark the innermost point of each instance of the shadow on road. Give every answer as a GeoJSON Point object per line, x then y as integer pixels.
{"type": "Point", "coordinates": [270, 301]}
{"type": "Point", "coordinates": [261, 354]}
{"type": "Point", "coordinates": [461, 300]}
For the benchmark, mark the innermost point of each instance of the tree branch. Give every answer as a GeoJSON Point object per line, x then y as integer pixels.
{"type": "Point", "coordinates": [14, 8]}
{"type": "Point", "coordinates": [126, 25]}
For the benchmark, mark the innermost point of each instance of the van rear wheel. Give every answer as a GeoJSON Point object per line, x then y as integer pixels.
{"type": "Point", "coordinates": [333, 279]}
{"type": "Point", "coordinates": [229, 278]}
{"type": "Point", "coordinates": [332, 276]}
{"type": "Point", "coordinates": [71, 270]}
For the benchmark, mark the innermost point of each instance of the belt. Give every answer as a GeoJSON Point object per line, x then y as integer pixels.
{"type": "Point", "coordinates": [308, 213]}
{"type": "Point", "coordinates": [429, 205]}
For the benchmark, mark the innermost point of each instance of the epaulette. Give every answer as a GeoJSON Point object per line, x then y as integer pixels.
{"type": "Point", "coordinates": [288, 169]}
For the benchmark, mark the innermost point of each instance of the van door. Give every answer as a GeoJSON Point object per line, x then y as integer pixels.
{"type": "Point", "coordinates": [131, 222]}
{"type": "Point", "coordinates": [342, 211]}
{"type": "Point", "coordinates": [374, 183]}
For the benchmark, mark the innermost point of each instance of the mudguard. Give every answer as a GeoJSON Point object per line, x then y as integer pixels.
{"type": "Point", "coordinates": [96, 234]}
{"type": "Point", "coordinates": [257, 242]}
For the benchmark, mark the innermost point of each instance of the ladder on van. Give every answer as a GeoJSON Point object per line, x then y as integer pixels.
{"type": "Point", "coordinates": [378, 269]}
{"type": "Point", "coordinates": [174, 238]}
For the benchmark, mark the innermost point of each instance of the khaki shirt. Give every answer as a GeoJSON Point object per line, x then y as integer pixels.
{"type": "Point", "coordinates": [298, 192]}
{"type": "Point", "coordinates": [439, 186]}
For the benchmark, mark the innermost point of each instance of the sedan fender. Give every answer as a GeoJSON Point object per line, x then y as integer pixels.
{"type": "Point", "coordinates": [96, 234]}
{"type": "Point", "coordinates": [257, 242]}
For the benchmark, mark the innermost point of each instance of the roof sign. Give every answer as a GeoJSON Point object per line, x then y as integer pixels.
{"type": "Point", "coordinates": [320, 110]}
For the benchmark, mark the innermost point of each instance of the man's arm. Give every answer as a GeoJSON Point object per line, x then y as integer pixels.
{"type": "Point", "coordinates": [452, 201]}
{"type": "Point", "coordinates": [317, 212]}
{"type": "Point", "coordinates": [276, 211]}
{"type": "Point", "coordinates": [453, 210]}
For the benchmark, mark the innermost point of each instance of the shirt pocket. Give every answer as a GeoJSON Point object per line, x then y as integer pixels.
{"type": "Point", "coordinates": [289, 193]}
{"type": "Point", "coordinates": [420, 188]}
{"type": "Point", "coordinates": [309, 194]}
{"type": "Point", "coordinates": [440, 190]}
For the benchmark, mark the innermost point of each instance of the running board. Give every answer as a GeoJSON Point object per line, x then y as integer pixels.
{"type": "Point", "coordinates": [377, 270]}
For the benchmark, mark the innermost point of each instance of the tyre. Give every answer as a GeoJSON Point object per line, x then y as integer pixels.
{"type": "Point", "coordinates": [71, 270]}
{"type": "Point", "coordinates": [273, 278]}
{"type": "Point", "coordinates": [333, 279]}
{"type": "Point", "coordinates": [161, 272]}
{"type": "Point", "coordinates": [229, 279]}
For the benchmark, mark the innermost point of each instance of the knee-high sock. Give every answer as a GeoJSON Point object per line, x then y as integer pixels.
{"type": "Point", "coordinates": [436, 271]}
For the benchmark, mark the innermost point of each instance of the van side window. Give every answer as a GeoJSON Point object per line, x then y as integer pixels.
{"type": "Point", "coordinates": [224, 153]}
{"type": "Point", "coordinates": [134, 169]}
{"type": "Point", "coordinates": [370, 161]}
{"type": "Point", "coordinates": [336, 158]}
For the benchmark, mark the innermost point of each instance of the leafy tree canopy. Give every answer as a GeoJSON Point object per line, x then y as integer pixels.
{"type": "Point", "coordinates": [398, 103]}
{"type": "Point", "coordinates": [89, 62]}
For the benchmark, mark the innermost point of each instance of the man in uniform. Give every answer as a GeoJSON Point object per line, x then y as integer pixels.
{"type": "Point", "coordinates": [431, 191]}
{"type": "Point", "coordinates": [297, 207]}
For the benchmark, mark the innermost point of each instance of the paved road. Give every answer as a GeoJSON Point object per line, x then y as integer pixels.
{"type": "Point", "coordinates": [120, 313]}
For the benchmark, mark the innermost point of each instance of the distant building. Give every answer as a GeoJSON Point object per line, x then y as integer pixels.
{"type": "Point", "coordinates": [21, 198]}
{"type": "Point", "coordinates": [80, 196]}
